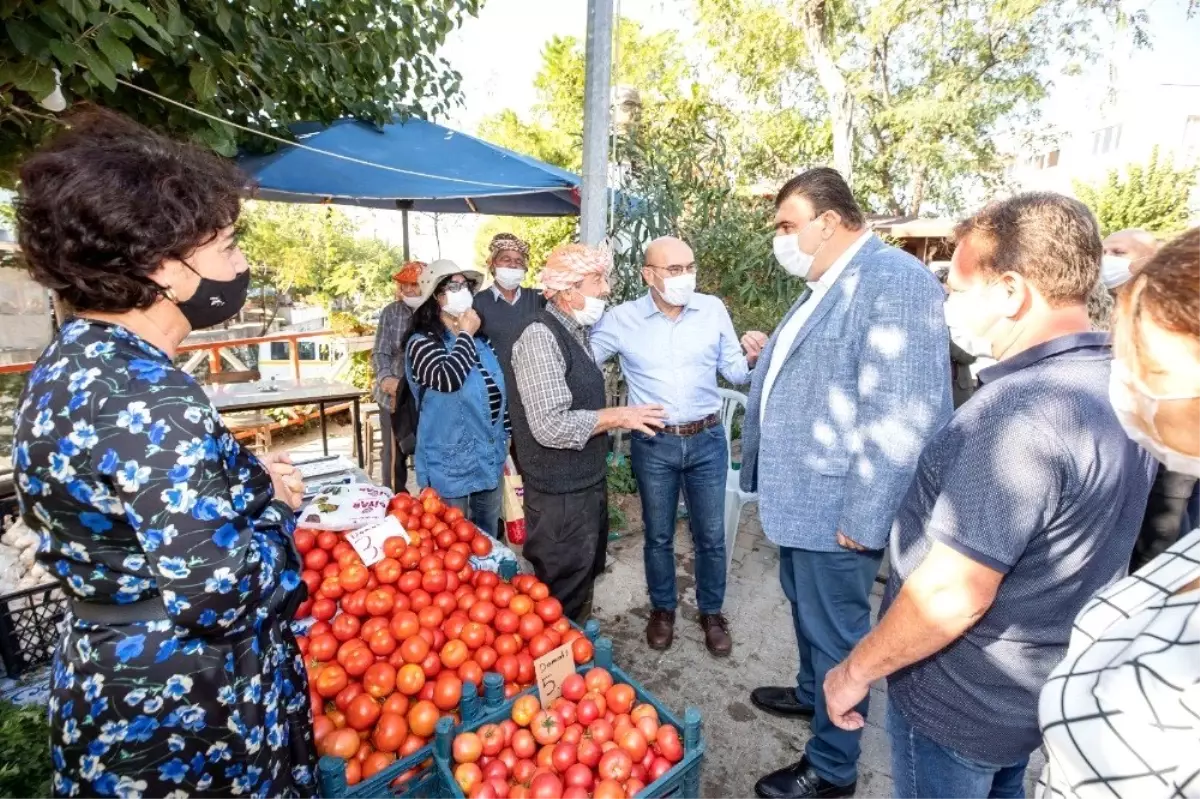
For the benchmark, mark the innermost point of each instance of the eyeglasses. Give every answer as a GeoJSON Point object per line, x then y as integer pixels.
{"type": "Point", "coordinates": [676, 270]}
{"type": "Point", "coordinates": [458, 285]}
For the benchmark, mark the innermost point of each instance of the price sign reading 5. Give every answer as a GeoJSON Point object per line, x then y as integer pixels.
{"type": "Point", "coordinates": [550, 670]}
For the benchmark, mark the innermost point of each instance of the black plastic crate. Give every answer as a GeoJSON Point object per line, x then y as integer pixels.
{"type": "Point", "coordinates": [29, 627]}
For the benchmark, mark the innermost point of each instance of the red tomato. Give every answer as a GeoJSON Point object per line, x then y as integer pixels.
{"type": "Point", "coordinates": [600, 731]}
{"type": "Point", "coordinates": [530, 625]}
{"type": "Point", "coordinates": [422, 718]}
{"type": "Point", "coordinates": [464, 531]}
{"type": "Point", "coordinates": [486, 657]}
{"type": "Point", "coordinates": [323, 648]}
{"type": "Point", "coordinates": [390, 732]}
{"type": "Point", "coordinates": [414, 649]}
{"type": "Point", "coordinates": [331, 570]}
{"type": "Point", "coordinates": [525, 664]}
{"type": "Point", "coordinates": [322, 726]}
{"type": "Point", "coordinates": [615, 764]}
{"type": "Point", "coordinates": [346, 626]}
{"type": "Point", "coordinates": [394, 547]}
{"type": "Point", "coordinates": [481, 545]}
{"type": "Point", "coordinates": [410, 679]}
{"type": "Point", "coordinates": [447, 692]}
{"type": "Point", "coordinates": [520, 604]}
{"type": "Point", "coordinates": [327, 539]}
{"type": "Point", "coordinates": [539, 645]}
{"type": "Point", "coordinates": [342, 700]}
{"type": "Point", "coordinates": [419, 599]}
{"type": "Point", "coordinates": [589, 752]}
{"type": "Point", "coordinates": [387, 571]}
{"type": "Point", "coordinates": [467, 747]}
{"type": "Point", "coordinates": [377, 762]}
{"type": "Point", "coordinates": [668, 744]}
{"type": "Point", "coordinates": [550, 609]}
{"type": "Point", "coordinates": [563, 757]}
{"type": "Point", "coordinates": [468, 776]}
{"type": "Point", "coordinates": [355, 603]}
{"type": "Point", "coordinates": [454, 560]}
{"type": "Point", "coordinates": [382, 643]}
{"type": "Point", "coordinates": [483, 612]}
{"type": "Point", "coordinates": [342, 743]}
{"type": "Point", "coordinates": [323, 609]}
{"type": "Point", "coordinates": [380, 680]}
{"type": "Point", "coordinates": [404, 625]}
{"type": "Point", "coordinates": [330, 680]}
{"type": "Point", "coordinates": [305, 541]}
{"type": "Point", "coordinates": [473, 634]}
{"type": "Point", "coordinates": [633, 742]}
{"type": "Point", "coordinates": [565, 709]}
{"type": "Point", "coordinates": [362, 712]}
{"type": "Point", "coordinates": [620, 698]}
{"type": "Point", "coordinates": [573, 687]}
{"type": "Point", "coordinates": [434, 581]}
{"type": "Point", "coordinates": [578, 775]}
{"type": "Point", "coordinates": [471, 672]}
{"type": "Point", "coordinates": [444, 537]}
{"type": "Point", "coordinates": [523, 744]}
{"type": "Point", "coordinates": [547, 727]}
{"type": "Point", "coordinates": [546, 786]}
{"type": "Point", "coordinates": [598, 680]}
{"type": "Point", "coordinates": [431, 665]}
{"type": "Point", "coordinates": [379, 603]}
{"type": "Point", "coordinates": [582, 650]}
{"type": "Point", "coordinates": [316, 559]}
{"type": "Point", "coordinates": [446, 602]}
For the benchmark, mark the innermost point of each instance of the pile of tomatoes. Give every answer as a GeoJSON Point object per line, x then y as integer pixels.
{"type": "Point", "coordinates": [392, 644]}
{"type": "Point", "coordinates": [594, 741]}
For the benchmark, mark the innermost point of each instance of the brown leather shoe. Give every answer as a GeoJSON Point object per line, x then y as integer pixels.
{"type": "Point", "coordinates": [716, 634]}
{"type": "Point", "coordinates": [660, 630]}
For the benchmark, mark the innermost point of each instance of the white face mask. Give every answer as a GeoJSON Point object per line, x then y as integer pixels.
{"type": "Point", "coordinates": [794, 260]}
{"type": "Point", "coordinates": [508, 278]}
{"type": "Point", "coordinates": [457, 302]}
{"type": "Point", "coordinates": [958, 319]}
{"type": "Point", "coordinates": [593, 309]}
{"type": "Point", "coordinates": [413, 302]}
{"type": "Point", "coordinates": [678, 291]}
{"type": "Point", "coordinates": [1133, 403]}
{"type": "Point", "coordinates": [1114, 271]}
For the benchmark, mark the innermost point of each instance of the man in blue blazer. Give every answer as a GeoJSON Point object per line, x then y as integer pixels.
{"type": "Point", "coordinates": [848, 389]}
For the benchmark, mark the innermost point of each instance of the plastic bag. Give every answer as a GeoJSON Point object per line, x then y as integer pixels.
{"type": "Point", "coordinates": [345, 507]}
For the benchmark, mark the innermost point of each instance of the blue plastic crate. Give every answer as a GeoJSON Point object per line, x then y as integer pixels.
{"type": "Point", "coordinates": [682, 781]}
{"type": "Point", "coordinates": [331, 771]}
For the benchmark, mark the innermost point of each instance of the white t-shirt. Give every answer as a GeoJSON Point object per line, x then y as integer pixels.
{"type": "Point", "coordinates": [1120, 716]}
{"type": "Point", "coordinates": [787, 335]}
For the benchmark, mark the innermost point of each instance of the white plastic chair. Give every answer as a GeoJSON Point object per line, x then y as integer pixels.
{"type": "Point", "coordinates": [735, 497]}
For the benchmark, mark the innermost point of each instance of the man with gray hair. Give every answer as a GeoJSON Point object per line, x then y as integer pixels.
{"type": "Point", "coordinates": [1124, 251]}
{"type": "Point", "coordinates": [1023, 506]}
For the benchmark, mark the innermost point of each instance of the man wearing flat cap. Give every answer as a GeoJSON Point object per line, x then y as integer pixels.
{"type": "Point", "coordinates": [505, 308]}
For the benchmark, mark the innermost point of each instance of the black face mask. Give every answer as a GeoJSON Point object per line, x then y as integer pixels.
{"type": "Point", "coordinates": [215, 301]}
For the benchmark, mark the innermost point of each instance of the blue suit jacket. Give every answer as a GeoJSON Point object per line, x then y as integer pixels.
{"type": "Point", "coordinates": [864, 387]}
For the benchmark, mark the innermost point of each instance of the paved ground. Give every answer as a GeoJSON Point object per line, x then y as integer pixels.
{"type": "Point", "coordinates": [743, 743]}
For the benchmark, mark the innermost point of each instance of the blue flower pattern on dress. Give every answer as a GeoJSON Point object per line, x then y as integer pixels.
{"type": "Point", "coordinates": [139, 492]}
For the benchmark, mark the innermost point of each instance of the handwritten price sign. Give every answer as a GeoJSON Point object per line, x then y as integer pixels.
{"type": "Point", "coordinates": [550, 670]}
{"type": "Point", "coordinates": [368, 541]}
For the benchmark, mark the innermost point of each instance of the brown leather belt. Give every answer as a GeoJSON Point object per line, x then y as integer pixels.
{"type": "Point", "coordinates": [692, 428]}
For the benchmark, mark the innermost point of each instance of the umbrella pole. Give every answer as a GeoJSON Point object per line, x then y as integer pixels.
{"type": "Point", "coordinates": [404, 222]}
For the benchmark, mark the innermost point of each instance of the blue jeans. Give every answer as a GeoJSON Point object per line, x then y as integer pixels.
{"type": "Point", "coordinates": [831, 612]}
{"type": "Point", "coordinates": [700, 463]}
{"type": "Point", "coordinates": [482, 508]}
{"type": "Point", "coordinates": [924, 769]}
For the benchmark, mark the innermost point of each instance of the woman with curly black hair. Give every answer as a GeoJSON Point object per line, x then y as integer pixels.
{"type": "Point", "coordinates": [177, 673]}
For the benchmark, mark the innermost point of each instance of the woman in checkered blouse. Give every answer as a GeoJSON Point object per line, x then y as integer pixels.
{"type": "Point", "coordinates": [1120, 715]}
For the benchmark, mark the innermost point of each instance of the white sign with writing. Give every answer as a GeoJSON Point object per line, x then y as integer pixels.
{"type": "Point", "coordinates": [550, 670]}
{"type": "Point", "coordinates": [368, 541]}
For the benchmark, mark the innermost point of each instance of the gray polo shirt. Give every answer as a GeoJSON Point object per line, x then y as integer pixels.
{"type": "Point", "coordinates": [1035, 478]}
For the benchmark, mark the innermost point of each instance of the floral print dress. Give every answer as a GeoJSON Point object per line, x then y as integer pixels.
{"type": "Point", "coordinates": [139, 492]}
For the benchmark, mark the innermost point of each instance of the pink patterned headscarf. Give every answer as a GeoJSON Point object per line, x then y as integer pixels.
{"type": "Point", "coordinates": [569, 264]}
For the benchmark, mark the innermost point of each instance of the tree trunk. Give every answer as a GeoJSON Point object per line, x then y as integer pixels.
{"type": "Point", "coordinates": [833, 81]}
{"type": "Point", "coordinates": [918, 193]}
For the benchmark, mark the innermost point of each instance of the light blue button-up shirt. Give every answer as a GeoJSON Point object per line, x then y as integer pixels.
{"type": "Point", "coordinates": [673, 363]}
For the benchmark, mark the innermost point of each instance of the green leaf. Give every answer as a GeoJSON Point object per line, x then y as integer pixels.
{"type": "Point", "coordinates": [75, 9]}
{"type": "Point", "coordinates": [115, 50]}
{"type": "Point", "coordinates": [143, 14]}
{"type": "Point", "coordinates": [34, 78]}
{"type": "Point", "coordinates": [144, 36]}
{"type": "Point", "coordinates": [223, 19]}
{"type": "Point", "coordinates": [23, 37]}
{"type": "Point", "coordinates": [177, 23]}
{"type": "Point", "coordinates": [203, 79]}
{"type": "Point", "coordinates": [68, 55]}
{"type": "Point", "coordinates": [100, 70]}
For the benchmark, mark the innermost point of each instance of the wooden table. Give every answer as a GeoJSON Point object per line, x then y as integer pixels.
{"type": "Point", "coordinates": [235, 397]}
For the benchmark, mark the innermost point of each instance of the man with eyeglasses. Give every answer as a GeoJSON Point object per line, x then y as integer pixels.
{"type": "Point", "coordinates": [671, 343]}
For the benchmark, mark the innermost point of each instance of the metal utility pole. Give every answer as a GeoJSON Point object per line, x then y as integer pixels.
{"type": "Point", "coordinates": [593, 221]}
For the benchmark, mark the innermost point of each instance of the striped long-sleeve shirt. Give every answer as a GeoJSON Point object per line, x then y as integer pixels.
{"type": "Point", "coordinates": [439, 369]}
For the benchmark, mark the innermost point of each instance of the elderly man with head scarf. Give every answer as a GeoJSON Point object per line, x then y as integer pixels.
{"type": "Point", "coordinates": [505, 309]}
{"type": "Point", "coordinates": [558, 421]}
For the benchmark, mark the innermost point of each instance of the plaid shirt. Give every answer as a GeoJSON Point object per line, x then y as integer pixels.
{"type": "Point", "coordinates": [387, 359]}
{"type": "Point", "coordinates": [539, 367]}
